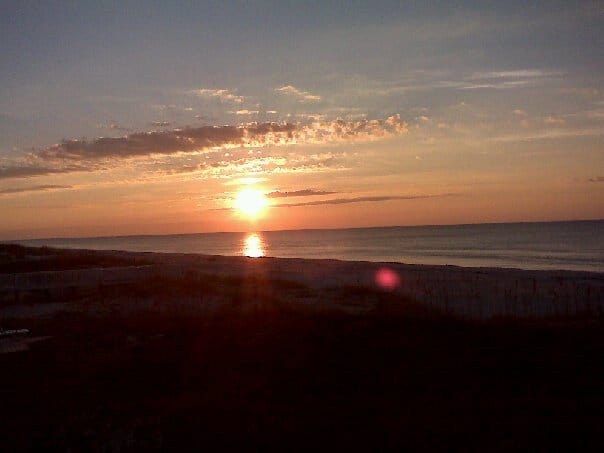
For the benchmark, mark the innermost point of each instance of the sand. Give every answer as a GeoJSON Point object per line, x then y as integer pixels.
{"type": "Point", "coordinates": [469, 293]}
{"type": "Point", "coordinates": [116, 351]}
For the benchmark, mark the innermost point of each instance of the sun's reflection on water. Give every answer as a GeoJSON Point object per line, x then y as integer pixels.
{"type": "Point", "coordinates": [253, 246]}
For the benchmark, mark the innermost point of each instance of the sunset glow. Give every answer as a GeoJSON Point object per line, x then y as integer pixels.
{"type": "Point", "coordinates": [351, 116]}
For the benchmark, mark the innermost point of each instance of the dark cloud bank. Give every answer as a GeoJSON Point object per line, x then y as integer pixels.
{"type": "Point", "coordinates": [81, 155]}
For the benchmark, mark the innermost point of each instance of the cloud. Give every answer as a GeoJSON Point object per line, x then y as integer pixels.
{"type": "Point", "coordinates": [550, 134]}
{"type": "Point", "coordinates": [336, 201]}
{"type": "Point", "coordinates": [117, 127]}
{"type": "Point", "coordinates": [311, 116]}
{"type": "Point", "coordinates": [222, 94]}
{"type": "Point", "coordinates": [499, 85]}
{"type": "Point", "coordinates": [596, 179]}
{"type": "Point", "coordinates": [553, 120]}
{"type": "Point", "coordinates": [501, 79]}
{"type": "Point", "coordinates": [160, 123]}
{"type": "Point", "coordinates": [302, 96]}
{"type": "Point", "coordinates": [245, 112]}
{"type": "Point", "coordinates": [107, 152]}
{"type": "Point", "coordinates": [34, 189]}
{"type": "Point", "coordinates": [240, 164]}
{"type": "Point", "coordinates": [519, 112]}
{"type": "Point", "coordinates": [184, 169]}
{"type": "Point", "coordinates": [298, 193]}
{"type": "Point", "coordinates": [193, 139]}
{"type": "Point", "coordinates": [586, 92]}
{"type": "Point", "coordinates": [26, 171]}
{"type": "Point", "coordinates": [514, 74]}
{"type": "Point", "coordinates": [113, 126]}
{"type": "Point", "coordinates": [188, 139]}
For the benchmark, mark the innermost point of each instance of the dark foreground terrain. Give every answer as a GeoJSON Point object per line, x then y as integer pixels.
{"type": "Point", "coordinates": [134, 368]}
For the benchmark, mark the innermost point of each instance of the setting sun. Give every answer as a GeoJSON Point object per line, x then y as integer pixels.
{"type": "Point", "coordinates": [251, 202]}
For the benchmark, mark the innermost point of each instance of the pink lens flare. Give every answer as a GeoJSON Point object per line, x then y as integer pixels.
{"type": "Point", "coordinates": [386, 278]}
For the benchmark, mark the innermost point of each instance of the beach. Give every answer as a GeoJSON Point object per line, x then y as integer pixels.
{"type": "Point", "coordinates": [110, 350]}
{"type": "Point", "coordinates": [469, 293]}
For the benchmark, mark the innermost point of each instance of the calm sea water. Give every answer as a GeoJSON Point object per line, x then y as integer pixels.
{"type": "Point", "coordinates": [551, 245]}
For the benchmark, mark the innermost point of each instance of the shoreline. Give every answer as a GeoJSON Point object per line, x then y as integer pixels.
{"type": "Point", "coordinates": [550, 246]}
{"type": "Point", "coordinates": [475, 293]}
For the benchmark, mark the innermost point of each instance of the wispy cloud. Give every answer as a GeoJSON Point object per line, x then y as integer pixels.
{"type": "Point", "coordinates": [505, 79]}
{"type": "Point", "coordinates": [114, 126]}
{"type": "Point", "coordinates": [586, 92]}
{"type": "Point", "coordinates": [550, 134]}
{"type": "Point", "coordinates": [42, 188]}
{"type": "Point", "coordinates": [245, 112]}
{"type": "Point", "coordinates": [596, 179]}
{"type": "Point", "coordinates": [298, 193]}
{"type": "Point", "coordinates": [498, 85]}
{"type": "Point", "coordinates": [27, 171]}
{"type": "Point", "coordinates": [311, 116]}
{"type": "Point", "coordinates": [513, 74]}
{"type": "Point", "coordinates": [336, 201]}
{"type": "Point", "coordinates": [301, 96]}
{"type": "Point", "coordinates": [553, 120]}
{"type": "Point", "coordinates": [161, 123]}
{"type": "Point", "coordinates": [222, 94]}
{"type": "Point", "coordinates": [491, 80]}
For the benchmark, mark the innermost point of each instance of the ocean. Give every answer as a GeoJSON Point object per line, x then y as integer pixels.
{"type": "Point", "coordinates": [577, 245]}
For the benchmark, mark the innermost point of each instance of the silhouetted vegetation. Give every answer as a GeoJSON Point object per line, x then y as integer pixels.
{"type": "Point", "coordinates": [16, 258]}
{"type": "Point", "coordinates": [145, 366]}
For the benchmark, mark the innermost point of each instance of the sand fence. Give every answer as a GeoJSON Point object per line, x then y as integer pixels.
{"type": "Point", "coordinates": [472, 293]}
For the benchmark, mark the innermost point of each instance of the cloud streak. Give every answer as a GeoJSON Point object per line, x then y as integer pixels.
{"type": "Point", "coordinates": [301, 96]}
{"type": "Point", "coordinates": [298, 193]}
{"type": "Point", "coordinates": [222, 94]}
{"type": "Point", "coordinates": [514, 74]}
{"type": "Point", "coordinates": [336, 201]}
{"type": "Point", "coordinates": [245, 112]}
{"type": "Point", "coordinates": [27, 171]}
{"type": "Point", "coordinates": [42, 188]}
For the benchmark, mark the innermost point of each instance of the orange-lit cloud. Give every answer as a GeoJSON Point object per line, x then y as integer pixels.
{"type": "Point", "coordinates": [222, 94]}
{"type": "Point", "coordinates": [161, 123]}
{"type": "Point", "coordinates": [553, 120]}
{"type": "Point", "coordinates": [42, 188]}
{"type": "Point", "coordinates": [301, 96]}
{"type": "Point", "coordinates": [27, 171]}
{"type": "Point", "coordinates": [245, 112]}
{"type": "Point", "coordinates": [298, 193]}
{"type": "Point", "coordinates": [359, 200]}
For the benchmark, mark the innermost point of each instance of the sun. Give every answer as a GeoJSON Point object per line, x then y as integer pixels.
{"type": "Point", "coordinates": [250, 202]}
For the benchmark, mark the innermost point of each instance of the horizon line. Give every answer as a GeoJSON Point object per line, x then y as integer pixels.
{"type": "Point", "coordinates": [302, 229]}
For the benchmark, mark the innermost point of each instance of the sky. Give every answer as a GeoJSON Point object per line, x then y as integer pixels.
{"type": "Point", "coordinates": [120, 118]}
